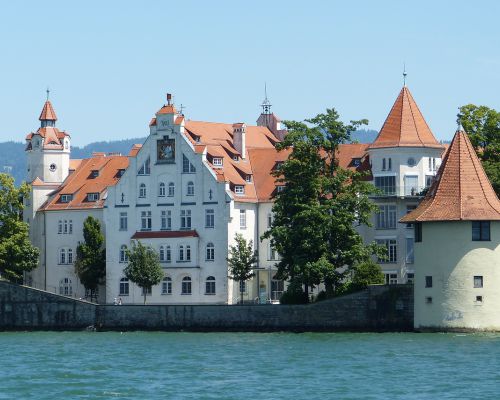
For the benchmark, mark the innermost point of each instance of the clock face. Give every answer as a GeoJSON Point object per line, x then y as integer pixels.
{"type": "Point", "coordinates": [52, 167]}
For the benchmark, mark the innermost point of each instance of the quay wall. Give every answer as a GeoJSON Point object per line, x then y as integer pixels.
{"type": "Point", "coordinates": [375, 309]}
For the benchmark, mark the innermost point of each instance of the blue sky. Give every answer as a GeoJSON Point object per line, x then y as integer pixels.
{"type": "Point", "coordinates": [109, 64]}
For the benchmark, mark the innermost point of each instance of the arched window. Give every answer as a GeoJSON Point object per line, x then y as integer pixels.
{"type": "Point", "coordinates": [181, 253]}
{"type": "Point", "coordinates": [161, 190]}
{"type": "Point", "coordinates": [210, 285]}
{"type": "Point", "coordinates": [186, 285]}
{"type": "Point", "coordinates": [210, 256]}
{"type": "Point", "coordinates": [142, 190]}
{"type": "Point", "coordinates": [65, 287]}
{"type": "Point", "coordinates": [190, 188]}
{"type": "Point", "coordinates": [62, 256]}
{"type": "Point", "coordinates": [166, 285]}
{"type": "Point", "coordinates": [124, 287]}
{"type": "Point", "coordinates": [123, 253]}
{"type": "Point", "coordinates": [171, 189]}
{"type": "Point", "coordinates": [162, 254]}
{"type": "Point", "coordinates": [188, 253]}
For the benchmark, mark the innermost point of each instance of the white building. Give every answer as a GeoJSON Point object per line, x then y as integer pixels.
{"type": "Point", "coordinates": [191, 187]}
{"type": "Point", "coordinates": [457, 251]}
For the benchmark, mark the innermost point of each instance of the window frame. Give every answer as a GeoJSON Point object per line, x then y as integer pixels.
{"type": "Point", "coordinates": [481, 231]}
{"type": "Point", "coordinates": [186, 286]}
{"type": "Point", "coordinates": [210, 286]}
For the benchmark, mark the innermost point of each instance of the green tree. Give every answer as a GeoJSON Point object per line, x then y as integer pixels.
{"type": "Point", "coordinates": [366, 273]}
{"type": "Point", "coordinates": [482, 124]}
{"type": "Point", "coordinates": [315, 215]}
{"type": "Point", "coordinates": [17, 255]}
{"type": "Point", "coordinates": [144, 268]}
{"type": "Point", "coordinates": [241, 260]}
{"type": "Point", "coordinates": [90, 263]}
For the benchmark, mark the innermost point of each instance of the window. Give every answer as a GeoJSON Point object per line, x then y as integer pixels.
{"type": "Point", "coordinates": [147, 291]}
{"type": "Point", "coordinates": [185, 219]}
{"type": "Point", "coordinates": [186, 285]}
{"type": "Point", "coordinates": [145, 168]}
{"type": "Point", "coordinates": [411, 162]}
{"type": "Point", "coordinates": [181, 252]}
{"type": "Point", "coordinates": [124, 287]}
{"type": "Point", "coordinates": [187, 167]}
{"type": "Point", "coordinates": [210, 285]}
{"type": "Point", "coordinates": [92, 196]}
{"type": "Point", "coordinates": [391, 246]}
{"type": "Point", "coordinates": [409, 209]}
{"type": "Point", "coordinates": [60, 227]}
{"type": "Point", "coordinates": [142, 190]}
{"type": "Point", "coordinates": [243, 219]}
{"type": "Point", "coordinates": [410, 277]}
{"type": "Point", "coordinates": [70, 256]}
{"type": "Point", "coordinates": [386, 217]}
{"type": "Point", "coordinates": [190, 189]}
{"type": "Point", "coordinates": [239, 189]}
{"type": "Point", "coordinates": [428, 281]}
{"type": "Point", "coordinates": [66, 256]}
{"type": "Point", "coordinates": [162, 254]}
{"type": "Point", "coordinates": [409, 251]}
{"type": "Point", "coordinates": [434, 164]}
{"type": "Point", "coordinates": [123, 221]}
{"type": "Point", "coordinates": [428, 180]}
{"type": "Point", "coordinates": [161, 189]}
{"type": "Point", "coordinates": [280, 188]}
{"type": "Point", "coordinates": [171, 189]}
{"type": "Point", "coordinates": [70, 226]}
{"type": "Point", "coordinates": [217, 161]}
{"type": "Point", "coordinates": [248, 178]}
{"type": "Point", "coordinates": [65, 287]}
{"type": "Point", "coordinates": [270, 220]}
{"type": "Point", "coordinates": [389, 164]}
{"type": "Point", "coordinates": [65, 226]}
{"type": "Point", "coordinates": [391, 279]}
{"type": "Point", "coordinates": [66, 198]}
{"type": "Point", "coordinates": [418, 232]}
{"type": "Point", "coordinates": [145, 220]}
{"type": "Point", "coordinates": [166, 285]}
{"type": "Point", "coordinates": [481, 230]}
{"type": "Point", "coordinates": [387, 184]}
{"type": "Point", "coordinates": [478, 281]}
{"type": "Point", "coordinates": [166, 220]}
{"type": "Point", "coordinates": [210, 254]}
{"type": "Point", "coordinates": [243, 286]}
{"type": "Point", "coordinates": [271, 253]}
{"type": "Point", "coordinates": [479, 299]}
{"type": "Point", "coordinates": [188, 253]}
{"type": "Point", "coordinates": [209, 218]}
{"type": "Point", "coordinates": [123, 254]}
{"type": "Point", "coordinates": [62, 256]}
{"type": "Point", "coordinates": [428, 300]}
{"type": "Point", "coordinates": [411, 185]}
{"type": "Point", "coordinates": [430, 164]}
{"type": "Point", "coordinates": [383, 164]}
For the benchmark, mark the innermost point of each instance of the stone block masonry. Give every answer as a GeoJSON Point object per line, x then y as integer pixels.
{"type": "Point", "coordinates": [376, 309]}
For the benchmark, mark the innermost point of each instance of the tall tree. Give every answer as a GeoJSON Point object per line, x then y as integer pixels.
{"type": "Point", "coordinates": [144, 268]}
{"type": "Point", "coordinates": [90, 263]}
{"type": "Point", "coordinates": [482, 124]}
{"type": "Point", "coordinates": [17, 255]}
{"type": "Point", "coordinates": [241, 260]}
{"type": "Point", "coordinates": [315, 214]}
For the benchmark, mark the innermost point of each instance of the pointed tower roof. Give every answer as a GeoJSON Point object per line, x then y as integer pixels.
{"type": "Point", "coordinates": [48, 113]}
{"type": "Point", "coordinates": [462, 191]}
{"type": "Point", "coordinates": [405, 126]}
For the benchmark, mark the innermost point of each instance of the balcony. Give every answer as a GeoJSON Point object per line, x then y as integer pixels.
{"type": "Point", "coordinates": [403, 191]}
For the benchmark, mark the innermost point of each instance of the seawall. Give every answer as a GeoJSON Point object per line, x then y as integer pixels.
{"type": "Point", "coordinates": [375, 309]}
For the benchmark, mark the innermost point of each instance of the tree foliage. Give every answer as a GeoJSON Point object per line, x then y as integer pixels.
{"type": "Point", "coordinates": [482, 124]}
{"type": "Point", "coordinates": [241, 260]}
{"type": "Point", "coordinates": [366, 273]}
{"type": "Point", "coordinates": [17, 255]}
{"type": "Point", "coordinates": [315, 215]}
{"type": "Point", "coordinates": [144, 268]}
{"type": "Point", "coordinates": [90, 263]}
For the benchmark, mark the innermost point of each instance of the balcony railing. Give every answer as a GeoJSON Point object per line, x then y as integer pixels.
{"type": "Point", "coordinates": [401, 191]}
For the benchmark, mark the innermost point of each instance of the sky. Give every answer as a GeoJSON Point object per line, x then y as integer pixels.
{"type": "Point", "coordinates": [109, 64]}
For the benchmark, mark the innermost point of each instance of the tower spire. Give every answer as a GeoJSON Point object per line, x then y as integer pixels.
{"type": "Point", "coordinates": [404, 74]}
{"type": "Point", "coordinates": [48, 93]}
{"type": "Point", "coordinates": [266, 104]}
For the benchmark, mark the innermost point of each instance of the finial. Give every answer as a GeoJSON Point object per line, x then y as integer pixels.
{"type": "Point", "coordinates": [404, 74]}
{"type": "Point", "coordinates": [181, 109]}
{"type": "Point", "coordinates": [265, 92]}
{"type": "Point", "coordinates": [266, 104]}
{"type": "Point", "coordinates": [169, 98]}
{"type": "Point", "coordinates": [48, 93]}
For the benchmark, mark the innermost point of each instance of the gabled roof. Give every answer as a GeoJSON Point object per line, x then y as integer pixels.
{"type": "Point", "coordinates": [461, 192]}
{"type": "Point", "coordinates": [48, 113]}
{"type": "Point", "coordinates": [405, 126]}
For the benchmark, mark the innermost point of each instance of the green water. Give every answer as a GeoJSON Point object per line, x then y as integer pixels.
{"type": "Point", "coordinates": [139, 365]}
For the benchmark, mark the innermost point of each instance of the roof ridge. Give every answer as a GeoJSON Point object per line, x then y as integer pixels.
{"type": "Point", "coordinates": [413, 117]}
{"type": "Point", "coordinates": [460, 178]}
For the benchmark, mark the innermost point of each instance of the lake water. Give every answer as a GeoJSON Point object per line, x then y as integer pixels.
{"type": "Point", "coordinates": [143, 365]}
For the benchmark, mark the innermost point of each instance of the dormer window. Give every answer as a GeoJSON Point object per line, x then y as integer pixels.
{"type": "Point", "coordinates": [356, 162]}
{"type": "Point", "coordinates": [120, 173]}
{"type": "Point", "coordinates": [248, 178]}
{"type": "Point", "coordinates": [218, 161]}
{"type": "Point", "coordinates": [280, 188]}
{"type": "Point", "coordinates": [239, 189]}
{"type": "Point", "coordinates": [92, 196]}
{"type": "Point", "coordinates": [66, 198]}
{"type": "Point", "coordinates": [94, 173]}
{"type": "Point", "coordinates": [235, 158]}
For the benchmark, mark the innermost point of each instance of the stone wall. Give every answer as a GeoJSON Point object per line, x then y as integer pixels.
{"type": "Point", "coordinates": [378, 308]}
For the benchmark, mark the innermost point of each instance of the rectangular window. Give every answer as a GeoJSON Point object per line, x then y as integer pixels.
{"type": "Point", "coordinates": [481, 231]}
{"type": "Point", "coordinates": [123, 221]}
{"type": "Point", "coordinates": [409, 209]}
{"type": "Point", "coordinates": [92, 196]}
{"type": "Point", "coordinates": [209, 218]}
{"type": "Point", "coordinates": [60, 227]}
{"type": "Point", "coordinates": [391, 279]}
{"type": "Point", "coordinates": [411, 185]}
{"type": "Point", "coordinates": [409, 251]}
{"type": "Point", "coordinates": [428, 281]}
{"type": "Point", "coordinates": [410, 277]}
{"type": "Point", "coordinates": [145, 220]}
{"type": "Point", "coordinates": [391, 246]}
{"type": "Point", "coordinates": [243, 219]}
{"type": "Point", "coordinates": [70, 226]}
{"type": "Point", "coordinates": [217, 161]}
{"type": "Point", "coordinates": [239, 189]}
{"type": "Point", "coordinates": [65, 226]}
{"type": "Point", "coordinates": [479, 299]}
{"type": "Point", "coordinates": [187, 167]}
{"type": "Point", "coordinates": [166, 286]}
{"type": "Point", "coordinates": [66, 198]}
{"type": "Point", "coordinates": [166, 220]}
{"type": "Point", "coordinates": [478, 281]}
{"type": "Point", "coordinates": [386, 217]}
{"type": "Point", "coordinates": [418, 232]}
{"type": "Point", "coordinates": [185, 219]}
{"type": "Point", "coordinates": [272, 254]}
{"type": "Point", "coordinates": [387, 184]}
{"type": "Point", "coordinates": [269, 220]}
{"type": "Point", "coordinates": [188, 253]}
{"type": "Point", "coordinates": [124, 287]}
{"type": "Point", "coordinates": [428, 300]}
{"type": "Point", "coordinates": [428, 180]}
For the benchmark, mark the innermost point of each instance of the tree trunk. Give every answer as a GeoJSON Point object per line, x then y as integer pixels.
{"type": "Point", "coordinates": [241, 294]}
{"type": "Point", "coordinates": [145, 293]}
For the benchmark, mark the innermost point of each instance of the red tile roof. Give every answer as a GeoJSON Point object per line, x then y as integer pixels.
{"type": "Point", "coordinates": [164, 234]}
{"type": "Point", "coordinates": [405, 126]}
{"type": "Point", "coordinates": [48, 112]}
{"type": "Point", "coordinates": [461, 191]}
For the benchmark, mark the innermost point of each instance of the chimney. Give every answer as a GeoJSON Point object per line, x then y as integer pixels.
{"type": "Point", "coordinates": [239, 138]}
{"type": "Point", "coordinates": [169, 98]}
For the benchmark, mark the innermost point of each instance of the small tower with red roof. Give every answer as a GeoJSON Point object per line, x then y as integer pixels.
{"type": "Point", "coordinates": [48, 149]}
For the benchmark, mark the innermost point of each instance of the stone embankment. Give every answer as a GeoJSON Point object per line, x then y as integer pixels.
{"type": "Point", "coordinates": [376, 309]}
